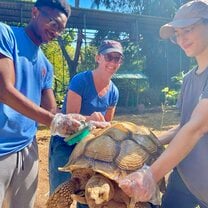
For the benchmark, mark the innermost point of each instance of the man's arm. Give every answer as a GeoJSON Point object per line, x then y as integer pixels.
{"type": "Point", "coordinates": [16, 100]}
{"type": "Point", "coordinates": [48, 101]}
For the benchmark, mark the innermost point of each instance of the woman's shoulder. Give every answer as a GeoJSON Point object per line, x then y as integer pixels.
{"type": "Point", "coordinates": [113, 87]}
{"type": "Point", "coordinates": [85, 75]}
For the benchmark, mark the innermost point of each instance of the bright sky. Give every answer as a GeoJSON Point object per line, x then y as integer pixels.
{"type": "Point", "coordinates": [86, 4]}
{"type": "Point", "coordinates": [83, 3]}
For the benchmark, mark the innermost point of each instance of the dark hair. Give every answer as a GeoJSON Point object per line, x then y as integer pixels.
{"type": "Point", "coordinates": [61, 5]}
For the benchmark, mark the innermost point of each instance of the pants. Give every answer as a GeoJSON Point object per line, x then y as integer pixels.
{"type": "Point", "coordinates": [178, 195]}
{"type": "Point", "coordinates": [59, 153]}
{"type": "Point", "coordinates": [19, 177]}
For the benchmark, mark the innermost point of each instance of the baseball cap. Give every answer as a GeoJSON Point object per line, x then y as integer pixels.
{"type": "Point", "coordinates": [61, 5]}
{"type": "Point", "coordinates": [109, 46]}
{"type": "Point", "coordinates": [188, 14]}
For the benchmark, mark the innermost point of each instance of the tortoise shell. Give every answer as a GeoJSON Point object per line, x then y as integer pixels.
{"type": "Point", "coordinates": [113, 152]}
{"type": "Point", "coordinates": [116, 151]}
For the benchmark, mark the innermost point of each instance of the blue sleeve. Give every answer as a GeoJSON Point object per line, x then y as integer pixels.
{"type": "Point", "coordinates": [114, 95]}
{"type": "Point", "coordinates": [48, 82]}
{"type": "Point", "coordinates": [7, 41]}
{"type": "Point", "coordinates": [77, 84]}
{"type": "Point", "coordinates": [205, 91]}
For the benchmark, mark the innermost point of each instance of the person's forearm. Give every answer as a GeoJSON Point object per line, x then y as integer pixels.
{"type": "Point", "coordinates": [110, 113]}
{"type": "Point", "coordinates": [23, 105]}
{"type": "Point", "coordinates": [177, 150]}
{"type": "Point", "coordinates": [48, 101]}
{"type": "Point", "coordinates": [167, 137]}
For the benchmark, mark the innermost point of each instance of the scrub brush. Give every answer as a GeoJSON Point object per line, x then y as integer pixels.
{"type": "Point", "coordinates": [80, 135]}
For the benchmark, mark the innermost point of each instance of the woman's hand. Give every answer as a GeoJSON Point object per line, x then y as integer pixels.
{"type": "Point", "coordinates": [96, 116]}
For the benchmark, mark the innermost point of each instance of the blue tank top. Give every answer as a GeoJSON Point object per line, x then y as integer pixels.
{"type": "Point", "coordinates": [83, 85]}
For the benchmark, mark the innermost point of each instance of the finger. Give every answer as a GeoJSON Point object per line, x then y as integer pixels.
{"type": "Point", "coordinates": [99, 124]}
{"type": "Point", "coordinates": [96, 116]}
{"type": "Point", "coordinates": [78, 117]}
{"type": "Point", "coordinates": [101, 117]}
{"type": "Point", "coordinates": [76, 123]}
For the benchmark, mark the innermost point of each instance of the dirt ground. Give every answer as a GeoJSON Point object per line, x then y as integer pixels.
{"type": "Point", "coordinates": [158, 122]}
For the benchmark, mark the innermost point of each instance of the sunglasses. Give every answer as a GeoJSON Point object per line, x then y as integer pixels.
{"type": "Point", "coordinates": [52, 23]}
{"type": "Point", "coordinates": [115, 58]}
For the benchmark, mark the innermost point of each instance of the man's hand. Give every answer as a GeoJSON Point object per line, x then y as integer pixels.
{"type": "Point", "coordinates": [65, 125]}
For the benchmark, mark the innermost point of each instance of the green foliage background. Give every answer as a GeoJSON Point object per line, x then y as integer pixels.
{"type": "Point", "coordinates": [159, 60]}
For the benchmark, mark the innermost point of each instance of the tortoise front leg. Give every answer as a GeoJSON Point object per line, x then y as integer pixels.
{"type": "Point", "coordinates": [64, 193]}
{"type": "Point", "coordinates": [61, 197]}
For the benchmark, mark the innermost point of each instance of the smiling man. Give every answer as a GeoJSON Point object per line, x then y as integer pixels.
{"type": "Point", "coordinates": [26, 99]}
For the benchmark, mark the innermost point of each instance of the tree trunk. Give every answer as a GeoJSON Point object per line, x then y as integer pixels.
{"type": "Point", "coordinates": [72, 64]}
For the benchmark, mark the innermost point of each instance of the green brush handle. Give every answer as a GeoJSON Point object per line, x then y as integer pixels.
{"type": "Point", "coordinates": [77, 137]}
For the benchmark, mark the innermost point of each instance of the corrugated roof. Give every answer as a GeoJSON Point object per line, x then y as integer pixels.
{"type": "Point", "coordinates": [14, 12]}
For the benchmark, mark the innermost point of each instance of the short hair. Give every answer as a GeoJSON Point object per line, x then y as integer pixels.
{"type": "Point", "coordinates": [61, 5]}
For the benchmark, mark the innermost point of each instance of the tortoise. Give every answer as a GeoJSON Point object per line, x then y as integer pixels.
{"type": "Point", "coordinates": [100, 160]}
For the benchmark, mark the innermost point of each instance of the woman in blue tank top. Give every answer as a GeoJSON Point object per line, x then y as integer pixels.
{"type": "Point", "coordinates": [92, 94]}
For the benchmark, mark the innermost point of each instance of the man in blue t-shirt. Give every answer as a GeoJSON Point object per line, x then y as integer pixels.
{"type": "Point", "coordinates": [26, 99]}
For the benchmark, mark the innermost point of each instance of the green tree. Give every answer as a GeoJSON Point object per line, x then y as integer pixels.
{"type": "Point", "coordinates": [53, 52]}
{"type": "Point", "coordinates": [72, 60]}
{"type": "Point", "coordinates": [160, 60]}
{"type": "Point", "coordinates": [87, 58]}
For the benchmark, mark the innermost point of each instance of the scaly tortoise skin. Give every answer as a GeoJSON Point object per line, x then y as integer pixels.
{"type": "Point", "coordinates": [99, 160]}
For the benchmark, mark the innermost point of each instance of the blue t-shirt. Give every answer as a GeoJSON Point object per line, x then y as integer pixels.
{"type": "Point", "coordinates": [83, 85]}
{"type": "Point", "coordinates": [33, 73]}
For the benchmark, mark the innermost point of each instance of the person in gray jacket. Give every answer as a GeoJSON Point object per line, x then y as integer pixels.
{"type": "Point", "coordinates": [187, 151]}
